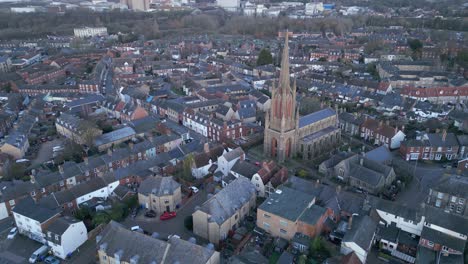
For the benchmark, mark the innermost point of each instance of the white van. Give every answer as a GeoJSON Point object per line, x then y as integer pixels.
{"type": "Point", "coordinates": [135, 228]}
{"type": "Point", "coordinates": [39, 254]}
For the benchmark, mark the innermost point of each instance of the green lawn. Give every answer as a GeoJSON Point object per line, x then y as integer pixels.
{"type": "Point", "coordinates": [274, 257]}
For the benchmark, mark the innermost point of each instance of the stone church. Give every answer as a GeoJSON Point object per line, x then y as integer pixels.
{"type": "Point", "coordinates": [289, 135]}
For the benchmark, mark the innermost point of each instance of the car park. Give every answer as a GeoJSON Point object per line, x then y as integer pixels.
{"type": "Point", "coordinates": [168, 215]}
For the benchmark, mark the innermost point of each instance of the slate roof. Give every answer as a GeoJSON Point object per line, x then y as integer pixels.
{"type": "Point", "coordinates": [287, 203]}
{"type": "Point", "coordinates": [114, 136]}
{"type": "Point", "coordinates": [443, 239]}
{"type": "Point", "coordinates": [361, 232]}
{"type": "Point", "coordinates": [225, 203]}
{"type": "Point", "coordinates": [453, 185]}
{"type": "Point", "coordinates": [14, 189]}
{"type": "Point", "coordinates": [316, 116]}
{"type": "Point", "coordinates": [245, 168]}
{"type": "Point", "coordinates": [233, 154]}
{"type": "Point", "coordinates": [395, 209]}
{"type": "Point", "coordinates": [247, 112]}
{"type": "Point", "coordinates": [158, 186]}
{"type": "Point", "coordinates": [115, 238]}
{"type": "Point", "coordinates": [380, 154]}
{"type": "Point", "coordinates": [313, 214]}
{"type": "Point", "coordinates": [27, 207]}
{"type": "Point", "coordinates": [438, 217]}
{"type": "Point", "coordinates": [60, 225]}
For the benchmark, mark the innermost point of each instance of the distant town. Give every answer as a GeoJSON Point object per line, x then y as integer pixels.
{"type": "Point", "coordinates": [231, 131]}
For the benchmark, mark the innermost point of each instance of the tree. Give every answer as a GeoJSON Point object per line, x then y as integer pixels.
{"type": "Point", "coordinates": [416, 46]}
{"type": "Point", "coordinates": [187, 167]}
{"type": "Point", "coordinates": [462, 58]}
{"type": "Point", "coordinates": [302, 173]}
{"type": "Point", "coordinates": [309, 105]}
{"type": "Point", "coordinates": [264, 57]}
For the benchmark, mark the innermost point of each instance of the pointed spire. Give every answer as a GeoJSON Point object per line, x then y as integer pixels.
{"type": "Point", "coordinates": [284, 74]}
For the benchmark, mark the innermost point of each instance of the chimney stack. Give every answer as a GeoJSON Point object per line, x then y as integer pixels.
{"type": "Point", "coordinates": [361, 161]}
{"type": "Point", "coordinates": [317, 183]}
{"type": "Point", "coordinates": [85, 159]}
{"type": "Point", "coordinates": [206, 147]}
{"type": "Point", "coordinates": [444, 135]}
{"type": "Point", "coordinates": [350, 222]}
{"type": "Point", "coordinates": [109, 152]}
{"type": "Point", "coordinates": [60, 167]}
{"type": "Point", "coordinates": [130, 144]}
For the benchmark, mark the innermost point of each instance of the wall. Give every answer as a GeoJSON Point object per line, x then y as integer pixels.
{"type": "Point", "coordinates": [275, 224]}
{"type": "Point", "coordinates": [3, 211]}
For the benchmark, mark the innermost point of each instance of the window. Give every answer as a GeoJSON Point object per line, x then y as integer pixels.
{"type": "Point", "coordinates": [266, 226]}
{"type": "Point", "coordinates": [438, 203]}
{"type": "Point", "coordinates": [266, 216]}
{"type": "Point", "coordinates": [283, 223]}
{"type": "Point", "coordinates": [453, 199]}
{"type": "Point", "coordinates": [430, 243]}
{"type": "Point", "coordinates": [459, 209]}
{"type": "Point", "coordinates": [452, 207]}
{"type": "Point", "coordinates": [49, 234]}
{"type": "Point", "coordinates": [166, 201]}
{"type": "Point", "coordinates": [282, 231]}
{"type": "Point", "coordinates": [43, 190]}
{"type": "Point", "coordinates": [444, 248]}
{"type": "Point", "coordinates": [440, 195]}
{"type": "Point", "coordinates": [33, 193]}
{"type": "Point", "coordinates": [11, 202]}
{"type": "Point", "coordinates": [461, 200]}
{"type": "Point", "coordinates": [61, 183]}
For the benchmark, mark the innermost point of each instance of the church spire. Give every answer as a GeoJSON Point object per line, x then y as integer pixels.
{"type": "Point", "coordinates": [284, 74]}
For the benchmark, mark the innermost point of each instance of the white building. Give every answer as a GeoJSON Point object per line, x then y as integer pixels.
{"type": "Point", "coordinates": [28, 9]}
{"type": "Point", "coordinates": [229, 5]}
{"type": "Point", "coordinates": [313, 8]}
{"type": "Point", "coordinates": [104, 192]}
{"type": "Point", "coordinates": [228, 159]}
{"type": "Point", "coordinates": [90, 32]}
{"type": "Point", "coordinates": [31, 218]}
{"type": "Point", "coordinates": [65, 235]}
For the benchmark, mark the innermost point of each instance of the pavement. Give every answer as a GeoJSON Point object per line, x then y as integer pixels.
{"type": "Point", "coordinates": [45, 152]}
{"type": "Point", "coordinates": [174, 226]}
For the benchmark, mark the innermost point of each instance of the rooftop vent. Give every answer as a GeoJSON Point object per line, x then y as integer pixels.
{"type": "Point", "coordinates": [278, 191]}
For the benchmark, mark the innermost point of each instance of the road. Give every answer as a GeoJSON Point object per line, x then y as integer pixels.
{"type": "Point", "coordinates": [425, 176]}
{"type": "Point", "coordinates": [172, 226]}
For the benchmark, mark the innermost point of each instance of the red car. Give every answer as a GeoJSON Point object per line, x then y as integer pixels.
{"type": "Point", "coordinates": [168, 215]}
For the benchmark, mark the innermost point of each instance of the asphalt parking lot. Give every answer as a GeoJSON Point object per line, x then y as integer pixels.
{"type": "Point", "coordinates": [17, 250]}
{"type": "Point", "coordinates": [171, 226]}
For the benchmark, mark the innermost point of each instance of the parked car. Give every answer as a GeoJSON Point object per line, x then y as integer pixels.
{"type": "Point", "coordinates": [51, 260]}
{"type": "Point", "coordinates": [193, 189]}
{"type": "Point", "coordinates": [134, 212]}
{"type": "Point", "coordinates": [168, 215]}
{"type": "Point", "coordinates": [12, 233]}
{"type": "Point", "coordinates": [150, 214]}
{"type": "Point", "coordinates": [169, 237]}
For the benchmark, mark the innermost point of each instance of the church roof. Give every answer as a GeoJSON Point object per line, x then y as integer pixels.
{"type": "Point", "coordinates": [316, 116]}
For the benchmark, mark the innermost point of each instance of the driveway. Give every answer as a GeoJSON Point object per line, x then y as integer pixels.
{"type": "Point", "coordinates": [172, 226]}
{"type": "Point", "coordinates": [45, 152]}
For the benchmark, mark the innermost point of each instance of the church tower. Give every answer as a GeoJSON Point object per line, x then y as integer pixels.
{"type": "Point", "coordinates": [281, 120]}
